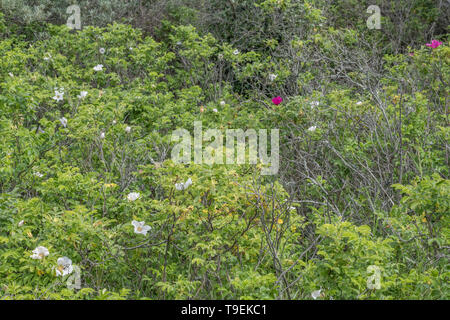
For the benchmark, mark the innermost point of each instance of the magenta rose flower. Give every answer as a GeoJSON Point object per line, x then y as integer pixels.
{"type": "Point", "coordinates": [277, 100]}
{"type": "Point", "coordinates": [434, 44]}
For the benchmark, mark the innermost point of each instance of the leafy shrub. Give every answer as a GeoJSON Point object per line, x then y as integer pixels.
{"type": "Point", "coordinates": [85, 143]}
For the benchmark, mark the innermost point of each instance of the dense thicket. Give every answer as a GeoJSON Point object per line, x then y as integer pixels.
{"type": "Point", "coordinates": [85, 150]}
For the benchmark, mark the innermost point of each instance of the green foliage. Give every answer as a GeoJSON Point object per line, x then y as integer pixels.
{"type": "Point", "coordinates": [363, 178]}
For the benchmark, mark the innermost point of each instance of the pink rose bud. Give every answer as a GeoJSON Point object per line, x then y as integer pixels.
{"type": "Point", "coordinates": [277, 100]}
{"type": "Point", "coordinates": [434, 44]}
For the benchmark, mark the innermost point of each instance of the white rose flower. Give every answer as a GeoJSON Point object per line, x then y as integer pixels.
{"type": "Point", "coordinates": [82, 94]}
{"type": "Point", "coordinates": [132, 196]}
{"type": "Point", "coordinates": [183, 186]}
{"type": "Point", "coordinates": [63, 121]}
{"type": "Point", "coordinates": [59, 95]}
{"type": "Point", "coordinates": [316, 294]}
{"type": "Point", "coordinates": [179, 186]}
{"type": "Point", "coordinates": [38, 174]}
{"type": "Point", "coordinates": [64, 266]}
{"type": "Point", "coordinates": [39, 253]}
{"type": "Point", "coordinates": [314, 104]}
{"type": "Point", "coordinates": [140, 227]}
{"type": "Point", "coordinates": [272, 76]}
